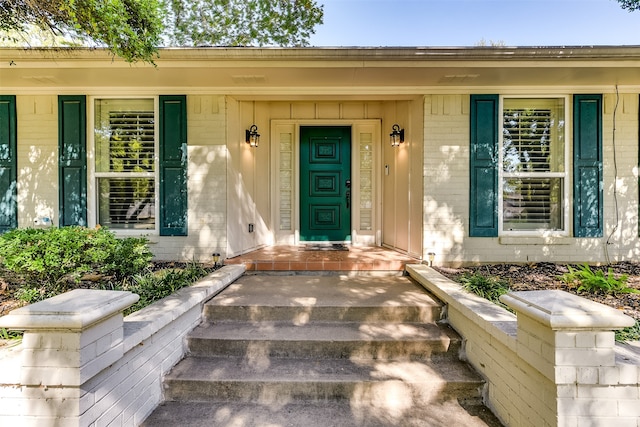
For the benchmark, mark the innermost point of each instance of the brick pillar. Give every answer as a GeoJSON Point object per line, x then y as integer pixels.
{"type": "Point", "coordinates": [570, 341]}
{"type": "Point", "coordinates": [68, 340]}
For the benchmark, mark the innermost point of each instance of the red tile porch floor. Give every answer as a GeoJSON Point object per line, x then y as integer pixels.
{"type": "Point", "coordinates": [294, 258]}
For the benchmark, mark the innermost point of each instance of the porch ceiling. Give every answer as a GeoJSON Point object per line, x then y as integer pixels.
{"type": "Point", "coordinates": [324, 71]}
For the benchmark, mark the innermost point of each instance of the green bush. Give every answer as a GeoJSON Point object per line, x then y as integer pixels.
{"type": "Point", "coordinates": [631, 333]}
{"type": "Point", "coordinates": [487, 287]}
{"type": "Point", "coordinates": [53, 259]}
{"type": "Point", "coordinates": [588, 280]}
{"type": "Point", "coordinates": [28, 294]}
{"type": "Point", "coordinates": [152, 287]}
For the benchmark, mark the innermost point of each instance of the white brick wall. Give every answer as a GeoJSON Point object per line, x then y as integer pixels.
{"type": "Point", "coordinates": [151, 342]}
{"type": "Point", "coordinates": [207, 193]}
{"type": "Point", "coordinates": [446, 192]}
{"type": "Point", "coordinates": [37, 158]}
{"type": "Point", "coordinates": [527, 383]}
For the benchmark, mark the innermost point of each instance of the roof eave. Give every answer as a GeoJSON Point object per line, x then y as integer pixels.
{"type": "Point", "coordinates": [493, 53]}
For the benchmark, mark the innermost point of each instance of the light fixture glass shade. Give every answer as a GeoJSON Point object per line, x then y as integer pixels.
{"type": "Point", "coordinates": [252, 137]}
{"type": "Point", "coordinates": [396, 136]}
{"type": "Point", "coordinates": [431, 256]}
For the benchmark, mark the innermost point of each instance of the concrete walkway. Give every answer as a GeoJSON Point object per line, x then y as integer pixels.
{"type": "Point", "coordinates": [331, 350]}
{"type": "Point", "coordinates": [295, 258]}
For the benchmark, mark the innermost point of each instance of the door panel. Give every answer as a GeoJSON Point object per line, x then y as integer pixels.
{"type": "Point", "coordinates": [325, 183]}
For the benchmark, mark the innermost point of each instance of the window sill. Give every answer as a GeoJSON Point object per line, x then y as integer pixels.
{"type": "Point", "coordinates": [550, 240]}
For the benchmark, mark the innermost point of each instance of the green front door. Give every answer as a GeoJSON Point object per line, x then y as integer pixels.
{"type": "Point", "coordinates": [325, 183]}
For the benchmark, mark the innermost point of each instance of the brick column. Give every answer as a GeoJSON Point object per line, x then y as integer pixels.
{"type": "Point", "coordinates": [570, 341]}
{"type": "Point", "coordinates": [68, 340]}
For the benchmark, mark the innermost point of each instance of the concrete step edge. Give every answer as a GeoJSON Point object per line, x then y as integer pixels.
{"type": "Point", "coordinates": [391, 314]}
{"type": "Point", "coordinates": [324, 340]}
{"type": "Point", "coordinates": [258, 367]}
{"type": "Point", "coordinates": [323, 330]}
{"type": "Point", "coordinates": [321, 414]}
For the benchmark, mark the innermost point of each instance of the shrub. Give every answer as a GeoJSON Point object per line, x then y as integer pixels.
{"type": "Point", "coordinates": [487, 287]}
{"type": "Point", "coordinates": [52, 259]}
{"type": "Point", "coordinates": [155, 286]}
{"type": "Point", "coordinates": [631, 333]}
{"type": "Point", "coordinates": [588, 280]}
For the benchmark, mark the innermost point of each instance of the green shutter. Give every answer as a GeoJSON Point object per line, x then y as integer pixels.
{"type": "Point", "coordinates": [8, 164]}
{"type": "Point", "coordinates": [587, 166]}
{"type": "Point", "coordinates": [483, 167]}
{"type": "Point", "coordinates": [173, 165]}
{"type": "Point", "coordinates": [72, 159]}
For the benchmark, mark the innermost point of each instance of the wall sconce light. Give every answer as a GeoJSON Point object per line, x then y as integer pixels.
{"type": "Point", "coordinates": [216, 259]}
{"type": "Point", "coordinates": [431, 256]}
{"type": "Point", "coordinates": [397, 136]}
{"type": "Point", "coordinates": [252, 136]}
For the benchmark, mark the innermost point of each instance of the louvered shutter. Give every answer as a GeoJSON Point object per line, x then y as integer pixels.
{"type": "Point", "coordinates": [72, 160]}
{"type": "Point", "coordinates": [173, 165]}
{"type": "Point", "coordinates": [8, 164]}
{"type": "Point", "coordinates": [483, 167]}
{"type": "Point", "coordinates": [587, 166]}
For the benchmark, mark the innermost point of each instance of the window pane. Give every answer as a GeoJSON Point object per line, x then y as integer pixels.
{"type": "Point", "coordinates": [532, 204]}
{"type": "Point", "coordinates": [533, 135]}
{"type": "Point", "coordinates": [126, 203]}
{"type": "Point", "coordinates": [124, 135]}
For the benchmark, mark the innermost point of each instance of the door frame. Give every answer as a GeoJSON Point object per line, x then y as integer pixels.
{"type": "Point", "coordinates": [287, 231]}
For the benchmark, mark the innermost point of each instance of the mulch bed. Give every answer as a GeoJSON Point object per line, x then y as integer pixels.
{"type": "Point", "coordinates": [540, 276]}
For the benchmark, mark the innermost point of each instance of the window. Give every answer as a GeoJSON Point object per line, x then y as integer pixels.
{"type": "Point", "coordinates": [519, 170]}
{"type": "Point", "coordinates": [125, 163]}
{"type": "Point", "coordinates": [533, 173]}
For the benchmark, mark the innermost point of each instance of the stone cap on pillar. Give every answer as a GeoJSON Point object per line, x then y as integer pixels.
{"type": "Point", "coordinates": [76, 310]}
{"type": "Point", "coordinates": [561, 310]}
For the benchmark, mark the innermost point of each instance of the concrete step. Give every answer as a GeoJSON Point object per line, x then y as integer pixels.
{"type": "Point", "coordinates": [386, 413]}
{"type": "Point", "coordinates": [266, 380]}
{"type": "Point", "coordinates": [322, 351]}
{"type": "Point", "coordinates": [324, 340]}
{"type": "Point", "coordinates": [304, 298]}
{"type": "Point", "coordinates": [299, 314]}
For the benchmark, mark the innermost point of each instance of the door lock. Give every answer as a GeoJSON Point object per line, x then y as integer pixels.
{"type": "Point", "coordinates": [347, 184]}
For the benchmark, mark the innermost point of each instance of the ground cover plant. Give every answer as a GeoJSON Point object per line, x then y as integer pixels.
{"type": "Point", "coordinates": [596, 281]}
{"type": "Point", "coordinates": [616, 285]}
{"type": "Point", "coordinates": [36, 264]}
{"type": "Point", "coordinates": [488, 287]}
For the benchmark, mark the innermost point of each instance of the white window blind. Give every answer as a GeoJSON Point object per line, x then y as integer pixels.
{"type": "Point", "coordinates": [526, 140]}
{"type": "Point", "coordinates": [131, 145]}
{"type": "Point", "coordinates": [125, 168]}
{"type": "Point", "coordinates": [532, 203]}
{"type": "Point", "coordinates": [533, 165]}
{"type": "Point", "coordinates": [127, 203]}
